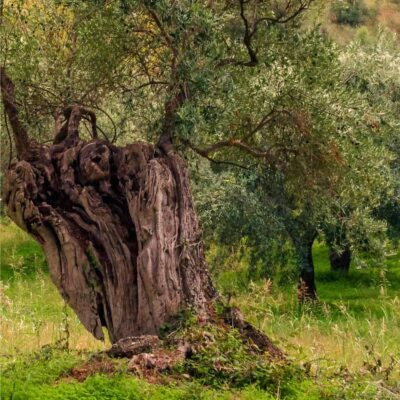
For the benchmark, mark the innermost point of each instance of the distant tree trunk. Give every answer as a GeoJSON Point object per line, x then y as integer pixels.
{"type": "Point", "coordinates": [307, 289]}
{"type": "Point", "coordinates": [340, 259]}
{"type": "Point", "coordinates": [339, 249]}
{"type": "Point", "coordinates": [117, 225]}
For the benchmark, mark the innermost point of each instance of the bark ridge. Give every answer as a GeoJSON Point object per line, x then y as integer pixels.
{"type": "Point", "coordinates": [118, 227]}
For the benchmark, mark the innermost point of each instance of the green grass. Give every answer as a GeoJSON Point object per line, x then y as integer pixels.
{"type": "Point", "coordinates": [20, 254]}
{"type": "Point", "coordinates": [336, 332]}
{"type": "Point", "coordinates": [354, 326]}
{"type": "Point", "coordinates": [44, 376]}
{"type": "Point", "coordinates": [345, 347]}
{"type": "Point", "coordinates": [32, 312]}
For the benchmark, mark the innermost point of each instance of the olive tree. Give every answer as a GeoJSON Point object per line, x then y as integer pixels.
{"type": "Point", "coordinates": [117, 223]}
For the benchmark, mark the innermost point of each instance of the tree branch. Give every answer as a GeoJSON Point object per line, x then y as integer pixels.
{"type": "Point", "coordinates": [283, 19]}
{"type": "Point", "coordinates": [69, 130]}
{"type": "Point", "coordinates": [8, 96]}
{"type": "Point", "coordinates": [248, 34]}
{"type": "Point", "coordinates": [111, 120]}
{"type": "Point", "coordinates": [221, 162]}
{"type": "Point", "coordinates": [255, 152]}
{"type": "Point", "coordinates": [168, 126]}
{"type": "Point", "coordinates": [175, 102]}
{"type": "Point", "coordinates": [250, 28]}
{"type": "Point", "coordinates": [165, 35]}
{"type": "Point", "coordinates": [205, 152]}
{"type": "Point", "coordinates": [10, 154]}
{"type": "Point", "coordinates": [239, 143]}
{"type": "Point", "coordinates": [143, 85]}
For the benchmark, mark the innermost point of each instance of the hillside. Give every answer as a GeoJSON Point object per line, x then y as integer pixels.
{"type": "Point", "coordinates": [345, 20]}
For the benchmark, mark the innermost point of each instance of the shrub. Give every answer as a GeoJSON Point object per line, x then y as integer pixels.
{"type": "Point", "coordinates": [349, 12]}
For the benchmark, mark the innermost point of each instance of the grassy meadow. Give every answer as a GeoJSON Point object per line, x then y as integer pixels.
{"type": "Point", "coordinates": [345, 347]}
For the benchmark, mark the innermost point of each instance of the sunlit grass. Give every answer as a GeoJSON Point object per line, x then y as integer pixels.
{"type": "Point", "coordinates": [354, 327]}
{"type": "Point", "coordinates": [33, 313]}
{"type": "Point", "coordinates": [355, 323]}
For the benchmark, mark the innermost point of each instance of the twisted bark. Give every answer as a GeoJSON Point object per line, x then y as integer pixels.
{"type": "Point", "coordinates": [119, 231]}
{"type": "Point", "coordinates": [117, 225]}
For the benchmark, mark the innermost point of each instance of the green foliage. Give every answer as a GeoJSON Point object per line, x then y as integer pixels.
{"type": "Point", "coordinates": [221, 358]}
{"type": "Point", "coordinates": [332, 169]}
{"type": "Point", "coordinates": [322, 161]}
{"type": "Point", "coordinates": [350, 12]}
{"type": "Point", "coordinates": [234, 215]}
{"type": "Point", "coordinates": [373, 70]}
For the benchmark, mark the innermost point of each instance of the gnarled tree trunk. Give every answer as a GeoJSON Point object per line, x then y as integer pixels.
{"type": "Point", "coordinates": [117, 225]}
{"type": "Point", "coordinates": [119, 231]}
